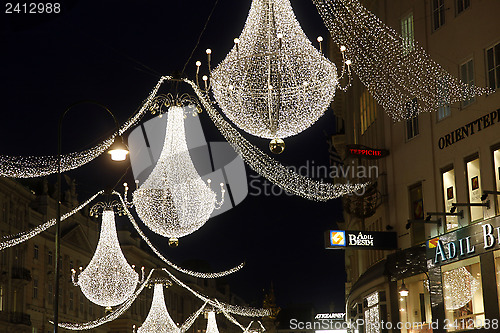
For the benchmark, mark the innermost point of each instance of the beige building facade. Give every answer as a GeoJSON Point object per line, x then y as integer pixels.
{"type": "Point", "coordinates": [438, 160]}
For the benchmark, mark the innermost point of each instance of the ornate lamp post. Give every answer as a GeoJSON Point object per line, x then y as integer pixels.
{"type": "Point", "coordinates": [118, 152]}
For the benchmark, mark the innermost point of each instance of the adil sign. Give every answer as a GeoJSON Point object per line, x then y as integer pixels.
{"type": "Point", "coordinates": [369, 240]}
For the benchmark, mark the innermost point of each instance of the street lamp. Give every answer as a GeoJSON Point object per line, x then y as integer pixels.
{"type": "Point", "coordinates": [403, 290]}
{"type": "Point", "coordinates": [118, 152]}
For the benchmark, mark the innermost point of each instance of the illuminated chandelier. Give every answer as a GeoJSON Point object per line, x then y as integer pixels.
{"type": "Point", "coordinates": [459, 288]}
{"type": "Point", "coordinates": [174, 201]}
{"type": "Point", "coordinates": [273, 83]}
{"type": "Point", "coordinates": [158, 319]}
{"type": "Point", "coordinates": [211, 323]}
{"type": "Point", "coordinates": [108, 280]}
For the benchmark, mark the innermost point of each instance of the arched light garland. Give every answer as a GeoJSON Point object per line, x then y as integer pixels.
{"type": "Point", "coordinates": [37, 166]}
{"type": "Point", "coordinates": [174, 201]}
{"type": "Point", "coordinates": [108, 280]}
{"type": "Point", "coordinates": [394, 72]}
{"type": "Point", "coordinates": [459, 287]}
{"type": "Point", "coordinates": [26, 235]}
{"type": "Point", "coordinates": [168, 262]}
{"type": "Point", "coordinates": [268, 167]}
{"type": "Point", "coordinates": [234, 309]}
{"type": "Point", "coordinates": [110, 316]}
{"type": "Point", "coordinates": [158, 319]}
{"type": "Point", "coordinates": [273, 83]}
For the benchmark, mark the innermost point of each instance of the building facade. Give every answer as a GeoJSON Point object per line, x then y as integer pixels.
{"type": "Point", "coordinates": [27, 270]}
{"type": "Point", "coordinates": [437, 188]}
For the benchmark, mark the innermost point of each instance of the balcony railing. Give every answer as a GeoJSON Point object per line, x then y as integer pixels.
{"type": "Point", "coordinates": [21, 273]}
{"type": "Point", "coordinates": [20, 318]}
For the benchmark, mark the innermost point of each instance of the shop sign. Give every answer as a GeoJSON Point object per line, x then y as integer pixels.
{"type": "Point", "coordinates": [365, 152]}
{"type": "Point", "coordinates": [469, 129]}
{"type": "Point", "coordinates": [370, 240]}
{"type": "Point", "coordinates": [334, 316]}
{"type": "Point", "coordinates": [481, 238]}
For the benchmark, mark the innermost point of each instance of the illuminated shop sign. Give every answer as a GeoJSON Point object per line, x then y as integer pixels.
{"type": "Point", "coordinates": [334, 316]}
{"type": "Point", "coordinates": [370, 240]}
{"type": "Point", "coordinates": [365, 152]}
{"type": "Point", "coordinates": [470, 129]}
{"type": "Point", "coordinates": [479, 239]}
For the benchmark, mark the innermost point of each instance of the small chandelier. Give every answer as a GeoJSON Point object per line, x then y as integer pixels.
{"type": "Point", "coordinates": [158, 319]}
{"type": "Point", "coordinates": [108, 280]}
{"type": "Point", "coordinates": [211, 323]}
{"type": "Point", "coordinates": [274, 83]}
{"type": "Point", "coordinates": [174, 201]}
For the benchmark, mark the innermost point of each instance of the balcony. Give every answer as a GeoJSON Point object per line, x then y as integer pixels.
{"type": "Point", "coordinates": [20, 318]}
{"type": "Point", "coordinates": [21, 273]}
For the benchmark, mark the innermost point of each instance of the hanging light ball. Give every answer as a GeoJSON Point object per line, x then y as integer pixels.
{"type": "Point", "coordinates": [173, 242]}
{"type": "Point", "coordinates": [108, 280]}
{"type": "Point", "coordinates": [277, 146]}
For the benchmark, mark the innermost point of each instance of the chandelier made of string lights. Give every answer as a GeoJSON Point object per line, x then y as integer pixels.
{"type": "Point", "coordinates": [158, 319]}
{"type": "Point", "coordinates": [174, 201]}
{"type": "Point", "coordinates": [108, 280]}
{"type": "Point", "coordinates": [273, 83]}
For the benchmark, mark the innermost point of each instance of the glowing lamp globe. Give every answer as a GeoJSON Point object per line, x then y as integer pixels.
{"type": "Point", "coordinates": [118, 150]}
{"type": "Point", "coordinates": [108, 280]}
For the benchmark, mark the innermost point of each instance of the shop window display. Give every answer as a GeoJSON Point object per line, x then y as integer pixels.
{"type": "Point", "coordinates": [474, 185]}
{"type": "Point", "coordinates": [463, 294]}
{"type": "Point", "coordinates": [450, 197]}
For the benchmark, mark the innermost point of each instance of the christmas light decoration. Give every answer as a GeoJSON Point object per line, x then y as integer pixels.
{"type": "Point", "coordinates": [21, 237]}
{"type": "Point", "coordinates": [459, 287]}
{"type": "Point", "coordinates": [211, 323]}
{"type": "Point", "coordinates": [108, 280]}
{"type": "Point", "coordinates": [158, 319]}
{"type": "Point", "coordinates": [273, 83]}
{"type": "Point", "coordinates": [268, 167]}
{"type": "Point", "coordinates": [168, 262]}
{"type": "Point", "coordinates": [38, 166]}
{"type": "Point", "coordinates": [393, 74]}
{"type": "Point", "coordinates": [174, 201]}
{"type": "Point", "coordinates": [111, 315]}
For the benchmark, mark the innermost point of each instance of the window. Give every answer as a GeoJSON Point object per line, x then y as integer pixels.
{"type": "Point", "coordinates": [35, 288]}
{"type": "Point", "coordinates": [450, 197]}
{"type": "Point", "coordinates": [81, 303]}
{"type": "Point", "coordinates": [368, 111]}
{"type": "Point", "coordinates": [493, 60]}
{"type": "Point", "coordinates": [474, 184]}
{"type": "Point", "coordinates": [407, 32]}
{"type": "Point", "coordinates": [444, 102]}
{"type": "Point", "coordinates": [412, 122]}
{"type": "Point", "coordinates": [467, 77]}
{"type": "Point", "coordinates": [35, 251]}
{"type": "Point", "coordinates": [415, 308]}
{"type": "Point", "coordinates": [50, 294]}
{"type": "Point", "coordinates": [497, 270]}
{"type": "Point", "coordinates": [496, 166]}
{"type": "Point", "coordinates": [463, 294]}
{"type": "Point", "coordinates": [372, 313]}
{"type": "Point", "coordinates": [417, 213]}
{"type": "Point", "coordinates": [462, 5]}
{"type": "Point", "coordinates": [2, 297]}
{"type": "Point", "coordinates": [437, 14]}
{"type": "Point", "coordinates": [50, 258]}
{"type": "Point", "coordinates": [71, 300]}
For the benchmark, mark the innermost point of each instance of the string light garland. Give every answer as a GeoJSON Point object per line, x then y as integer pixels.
{"type": "Point", "coordinates": [459, 287]}
{"type": "Point", "coordinates": [268, 167]}
{"type": "Point", "coordinates": [108, 280]}
{"type": "Point", "coordinates": [158, 319]}
{"type": "Point", "coordinates": [273, 83]}
{"type": "Point", "coordinates": [394, 70]}
{"type": "Point", "coordinates": [234, 309]}
{"type": "Point", "coordinates": [111, 315]}
{"type": "Point", "coordinates": [168, 262]}
{"type": "Point", "coordinates": [26, 235]}
{"type": "Point", "coordinates": [38, 166]}
{"type": "Point", "coordinates": [174, 201]}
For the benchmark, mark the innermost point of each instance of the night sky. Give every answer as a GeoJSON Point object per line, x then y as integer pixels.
{"type": "Point", "coordinates": [114, 52]}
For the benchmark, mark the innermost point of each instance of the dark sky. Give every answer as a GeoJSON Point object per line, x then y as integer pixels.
{"type": "Point", "coordinates": [114, 52]}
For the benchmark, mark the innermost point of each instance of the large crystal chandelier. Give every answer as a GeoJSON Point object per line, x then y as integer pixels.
{"type": "Point", "coordinates": [174, 201]}
{"type": "Point", "coordinates": [108, 280]}
{"type": "Point", "coordinates": [273, 83]}
{"type": "Point", "coordinates": [158, 319]}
